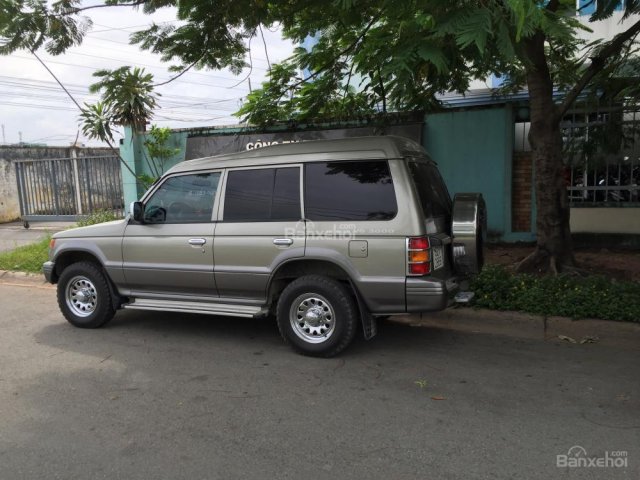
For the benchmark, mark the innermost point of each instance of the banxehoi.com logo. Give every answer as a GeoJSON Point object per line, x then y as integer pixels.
{"type": "Point", "coordinates": [577, 457]}
{"type": "Point", "coordinates": [344, 231]}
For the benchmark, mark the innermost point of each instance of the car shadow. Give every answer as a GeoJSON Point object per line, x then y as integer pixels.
{"type": "Point", "coordinates": [248, 335]}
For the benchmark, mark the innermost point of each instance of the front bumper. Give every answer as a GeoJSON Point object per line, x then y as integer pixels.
{"type": "Point", "coordinates": [429, 294]}
{"type": "Point", "coordinates": [48, 268]}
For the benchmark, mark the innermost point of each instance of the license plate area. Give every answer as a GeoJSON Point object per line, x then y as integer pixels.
{"type": "Point", "coordinates": [438, 257]}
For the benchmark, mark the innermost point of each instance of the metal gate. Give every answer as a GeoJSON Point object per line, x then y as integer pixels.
{"type": "Point", "coordinates": [64, 189]}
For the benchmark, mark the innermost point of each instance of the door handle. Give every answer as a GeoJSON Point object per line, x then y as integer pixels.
{"type": "Point", "coordinates": [197, 242]}
{"type": "Point", "coordinates": [283, 242]}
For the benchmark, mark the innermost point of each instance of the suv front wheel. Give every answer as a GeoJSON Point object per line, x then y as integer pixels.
{"type": "Point", "coordinates": [84, 296]}
{"type": "Point", "coordinates": [317, 316]}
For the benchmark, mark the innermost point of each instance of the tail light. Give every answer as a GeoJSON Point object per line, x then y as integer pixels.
{"type": "Point", "coordinates": [418, 256]}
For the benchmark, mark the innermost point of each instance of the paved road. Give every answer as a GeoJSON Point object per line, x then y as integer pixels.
{"type": "Point", "coordinates": [14, 234]}
{"type": "Point", "coordinates": [167, 396]}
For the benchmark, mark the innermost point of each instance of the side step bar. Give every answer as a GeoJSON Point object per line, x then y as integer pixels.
{"type": "Point", "coordinates": [224, 309]}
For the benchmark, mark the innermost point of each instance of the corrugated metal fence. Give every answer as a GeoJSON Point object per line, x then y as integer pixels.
{"type": "Point", "coordinates": [67, 188]}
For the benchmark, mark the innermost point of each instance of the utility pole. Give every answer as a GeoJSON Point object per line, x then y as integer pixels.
{"type": "Point", "coordinates": [3, 139]}
{"type": "Point", "coordinates": [20, 136]}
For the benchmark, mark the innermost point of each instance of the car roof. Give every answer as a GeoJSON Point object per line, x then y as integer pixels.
{"type": "Point", "coordinates": [355, 148]}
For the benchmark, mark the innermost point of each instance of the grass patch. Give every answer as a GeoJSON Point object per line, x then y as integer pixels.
{"type": "Point", "coordinates": [28, 258]}
{"type": "Point", "coordinates": [566, 296]}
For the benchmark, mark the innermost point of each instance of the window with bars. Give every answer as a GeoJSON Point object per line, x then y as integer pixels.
{"type": "Point", "coordinates": [601, 153]}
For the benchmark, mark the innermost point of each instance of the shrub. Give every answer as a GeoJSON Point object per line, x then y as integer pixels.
{"type": "Point", "coordinates": [568, 296]}
{"type": "Point", "coordinates": [99, 216]}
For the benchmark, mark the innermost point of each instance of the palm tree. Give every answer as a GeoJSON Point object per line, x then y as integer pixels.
{"type": "Point", "coordinates": [96, 121]}
{"type": "Point", "coordinates": [128, 99]}
{"type": "Point", "coordinates": [128, 94]}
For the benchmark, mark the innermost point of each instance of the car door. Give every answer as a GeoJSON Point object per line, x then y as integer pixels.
{"type": "Point", "coordinates": [351, 215]}
{"type": "Point", "coordinates": [260, 227]}
{"type": "Point", "coordinates": [171, 252]}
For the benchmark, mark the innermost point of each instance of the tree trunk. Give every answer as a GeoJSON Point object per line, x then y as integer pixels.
{"type": "Point", "coordinates": [553, 245]}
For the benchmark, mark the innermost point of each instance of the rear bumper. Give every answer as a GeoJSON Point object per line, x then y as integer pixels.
{"type": "Point", "coordinates": [429, 294]}
{"type": "Point", "coordinates": [48, 268]}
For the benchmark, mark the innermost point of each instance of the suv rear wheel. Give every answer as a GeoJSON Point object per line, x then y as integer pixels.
{"type": "Point", "coordinates": [317, 316]}
{"type": "Point", "coordinates": [84, 296]}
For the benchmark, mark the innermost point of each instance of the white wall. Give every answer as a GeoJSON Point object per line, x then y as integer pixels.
{"type": "Point", "coordinates": [606, 29]}
{"type": "Point", "coordinates": [605, 220]}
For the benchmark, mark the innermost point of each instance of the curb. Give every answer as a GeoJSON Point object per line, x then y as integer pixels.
{"type": "Point", "coordinates": [24, 279]}
{"type": "Point", "coordinates": [523, 325]}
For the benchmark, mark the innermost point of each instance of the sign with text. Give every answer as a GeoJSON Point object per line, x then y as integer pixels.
{"type": "Point", "coordinates": [207, 146]}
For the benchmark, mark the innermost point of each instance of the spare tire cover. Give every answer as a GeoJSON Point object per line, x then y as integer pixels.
{"type": "Point", "coordinates": [468, 228]}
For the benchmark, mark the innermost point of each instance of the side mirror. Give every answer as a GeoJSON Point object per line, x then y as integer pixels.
{"type": "Point", "coordinates": [137, 211]}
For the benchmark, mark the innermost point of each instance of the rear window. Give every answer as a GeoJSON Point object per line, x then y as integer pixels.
{"type": "Point", "coordinates": [433, 193]}
{"type": "Point", "coordinates": [359, 190]}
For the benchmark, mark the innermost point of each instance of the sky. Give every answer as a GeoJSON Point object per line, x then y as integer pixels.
{"type": "Point", "coordinates": [35, 109]}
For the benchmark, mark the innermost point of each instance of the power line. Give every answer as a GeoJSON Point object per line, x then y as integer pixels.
{"type": "Point", "coordinates": [60, 136]}
{"type": "Point", "coordinates": [40, 106]}
{"type": "Point", "coordinates": [75, 65]}
{"type": "Point", "coordinates": [102, 57]}
{"type": "Point", "coordinates": [109, 40]}
{"type": "Point", "coordinates": [107, 28]}
{"type": "Point", "coordinates": [172, 119]}
{"type": "Point", "coordinates": [50, 95]}
{"type": "Point", "coordinates": [47, 85]}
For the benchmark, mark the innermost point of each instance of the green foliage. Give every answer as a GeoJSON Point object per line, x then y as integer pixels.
{"type": "Point", "coordinates": [286, 96]}
{"type": "Point", "coordinates": [158, 148]}
{"type": "Point", "coordinates": [406, 53]}
{"type": "Point", "coordinates": [146, 180]}
{"type": "Point", "coordinates": [568, 296]}
{"type": "Point", "coordinates": [394, 55]}
{"type": "Point", "coordinates": [96, 120]}
{"type": "Point", "coordinates": [31, 24]}
{"type": "Point", "coordinates": [99, 216]}
{"type": "Point", "coordinates": [28, 258]}
{"type": "Point", "coordinates": [128, 95]}
{"type": "Point", "coordinates": [128, 98]}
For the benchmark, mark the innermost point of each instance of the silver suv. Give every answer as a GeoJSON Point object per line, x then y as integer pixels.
{"type": "Point", "coordinates": [325, 235]}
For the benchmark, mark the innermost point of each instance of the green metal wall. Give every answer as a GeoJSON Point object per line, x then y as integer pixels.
{"type": "Point", "coordinates": [474, 150]}
{"type": "Point", "coordinates": [133, 152]}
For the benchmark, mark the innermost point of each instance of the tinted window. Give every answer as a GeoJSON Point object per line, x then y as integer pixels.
{"type": "Point", "coordinates": [433, 193]}
{"type": "Point", "coordinates": [262, 195]}
{"type": "Point", "coordinates": [361, 190]}
{"type": "Point", "coordinates": [183, 199]}
{"type": "Point", "coordinates": [286, 195]}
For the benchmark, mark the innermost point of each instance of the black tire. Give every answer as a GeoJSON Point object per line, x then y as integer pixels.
{"type": "Point", "coordinates": [91, 305]}
{"type": "Point", "coordinates": [327, 300]}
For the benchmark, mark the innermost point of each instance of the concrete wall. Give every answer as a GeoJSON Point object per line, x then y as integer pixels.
{"type": "Point", "coordinates": [619, 220]}
{"type": "Point", "coordinates": [9, 205]}
{"type": "Point", "coordinates": [9, 202]}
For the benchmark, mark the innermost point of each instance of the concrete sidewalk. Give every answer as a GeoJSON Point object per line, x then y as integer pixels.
{"type": "Point", "coordinates": [14, 234]}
